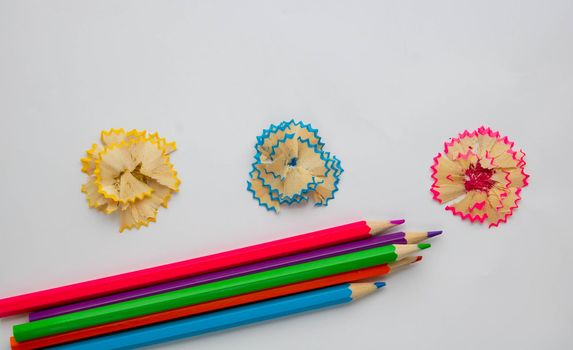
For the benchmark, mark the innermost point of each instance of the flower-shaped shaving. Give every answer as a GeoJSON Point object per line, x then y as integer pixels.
{"type": "Point", "coordinates": [131, 173]}
{"type": "Point", "coordinates": [291, 166]}
{"type": "Point", "coordinates": [480, 176]}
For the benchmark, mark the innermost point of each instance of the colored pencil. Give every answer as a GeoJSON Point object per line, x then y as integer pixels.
{"type": "Point", "coordinates": [215, 290]}
{"type": "Point", "coordinates": [229, 318]}
{"type": "Point", "coordinates": [210, 306]}
{"type": "Point", "coordinates": [372, 242]}
{"type": "Point", "coordinates": [169, 272]}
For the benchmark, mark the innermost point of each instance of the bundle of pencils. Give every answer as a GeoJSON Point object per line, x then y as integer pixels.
{"type": "Point", "coordinates": [215, 292]}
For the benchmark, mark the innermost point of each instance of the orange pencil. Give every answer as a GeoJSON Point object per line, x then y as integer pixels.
{"type": "Point", "coordinates": [210, 306]}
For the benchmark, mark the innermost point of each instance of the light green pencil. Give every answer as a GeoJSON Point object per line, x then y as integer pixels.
{"type": "Point", "coordinates": [213, 291]}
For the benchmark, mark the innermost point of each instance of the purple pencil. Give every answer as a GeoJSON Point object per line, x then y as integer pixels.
{"type": "Point", "coordinates": [377, 241]}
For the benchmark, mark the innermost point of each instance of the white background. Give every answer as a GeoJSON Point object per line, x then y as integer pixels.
{"type": "Point", "coordinates": [385, 82]}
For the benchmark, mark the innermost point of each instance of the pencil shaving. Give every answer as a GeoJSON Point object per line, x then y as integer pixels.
{"type": "Point", "coordinates": [291, 167]}
{"type": "Point", "coordinates": [130, 172]}
{"type": "Point", "coordinates": [480, 176]}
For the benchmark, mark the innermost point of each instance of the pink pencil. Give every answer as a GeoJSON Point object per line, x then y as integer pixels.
{"type": "Point", "coordinates": [141, 278]}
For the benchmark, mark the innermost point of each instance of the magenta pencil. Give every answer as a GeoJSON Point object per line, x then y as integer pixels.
{"type": "Point", "coordinates": [392, 238]}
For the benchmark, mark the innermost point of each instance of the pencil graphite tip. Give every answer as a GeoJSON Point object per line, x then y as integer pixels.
{"type": "Point", "coordinates": [418, 258]}
{"type": "Point", "coordinates": [397, 221]}
{"type": "Point", "coordinates": [434, 233]}
{"type": "Point", "coordinates": [379, 284]}
{"type": "Point", "coordinates": [423, 246]}
{"type": "Point", "coordinates": [377, 227]}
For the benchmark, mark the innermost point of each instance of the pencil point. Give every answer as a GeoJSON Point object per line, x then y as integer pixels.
{"type": "Point", "coordinates": [379, 284]}
{"type": "Point", "coordinates": [423, 246]}
{"type": "Point", "coordinates": [397, 221]}
{"type": "Point", "coordinates": [418, 258]}
{"type": "Point", "coordinates": [434, 233]}
{"type": "Point", "coordinates": [377, 227]}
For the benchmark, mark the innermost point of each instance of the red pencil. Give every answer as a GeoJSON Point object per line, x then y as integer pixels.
{"type": "Point", "coordinates": [210, 306]}
{"type": "Point", "coordinates": [140, 278]}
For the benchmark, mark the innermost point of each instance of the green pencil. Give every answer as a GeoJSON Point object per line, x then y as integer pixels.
{"type": "Point", "coordinates": [213, 291]}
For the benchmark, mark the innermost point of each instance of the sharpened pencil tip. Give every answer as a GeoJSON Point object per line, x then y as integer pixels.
{"type": "Point", "coordinates": [418, 258]}
{"type": "Point", "coordinates": [397, 221]}
{"type": "Point", "coordinates": [434, 233]}
{"type": "Point", "coordinates": [379, 284]}
{"type": "Point", "coordinates": [424, 245]}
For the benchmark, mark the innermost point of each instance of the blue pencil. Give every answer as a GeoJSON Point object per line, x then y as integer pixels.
{"type": "Point", "coordinates": [234, 317]}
